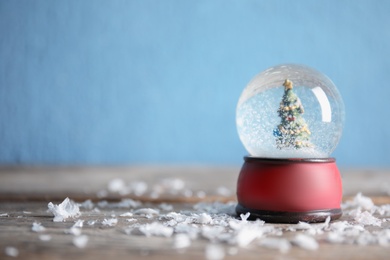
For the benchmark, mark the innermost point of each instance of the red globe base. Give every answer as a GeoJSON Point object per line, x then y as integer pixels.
{"type": "Point", "coordinates": [289, 190]}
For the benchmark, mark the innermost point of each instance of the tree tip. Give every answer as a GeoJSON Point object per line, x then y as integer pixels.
{"type": "Point", "coordinates": [288, 84]}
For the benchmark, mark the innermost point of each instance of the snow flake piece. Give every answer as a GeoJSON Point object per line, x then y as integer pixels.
{"type": "Point", "coordinates": [177, 217]}
{"type": "Point", "coordinates": [74, 231]}
{"type": "Point", "coordinates": [303, 226]}
{"type": "Point", "coordinates": [79, 223]}
{"type": "Point", "coordinates": [246, 235]}
{"type": "Point", "coordinates": [311, 229]}
{"type": "Point", "coordinates": [305, 242]}
{"type": "Point", "coordinates": [213, 233]}
{"type": "Point", "coordinates": [191, 230]}
{"type": "Point", "coordinates": [339, 226]}
{"type": "Point", "coordinates": [281, 244]}
{"type": "Point", "coordinates": [91, 222]}
{"type": "Point", "coordinates": [156, 229]}
{"type": "Point", "coordinates": [383, 210]}
{"type": "Point", "coordinates": [187, 193]}
{"type": "Point", "coordinates": [76, 228]}
{"type": "Point", "coordinates": [102, 204]}
{"type": "Point", "coordinates": [223, 191]}
{"type": "Point", "coordinates": [203, 218]}
{"type": "Point", "coordinates": [245, 217]}
{"type": "Point", "coordinates": [384, 237]}
{"type": "Point", "coordinates": [181, 241]}
{"type": "Point", "coordinates": [11, 251]}
{"type": "Point", "coordinates": [166, 207]}
{"type": "Point", "coordinates": [325, 225]}
{"type": "Point", "coordinates": [127, 214]}
{"type": "Point", "coordinates": [117, 185]}
{"type": "Point", "coordinates": [88, 204]}
{"type": "Point", "coordinates": [366, 239]}
{"type": "Point", "coordinates": [173, 184]}
{"type": "Point", "coordinates": [67, 209]}
{"type": "Point", "coordinates": [335, 237]}
{"type": "Point", "coordinates": [359, 201]}
{"type": "Point", "coordinates": [147, 212]}
{"type": "Point", "coordinates": [45, 237]}
{"type": "Point", "coordinates": [138, 187]}
{"type": "Point", "coordinates": [110, 222]}
{"type": "Point", "coordinates": [214, 252]}
{"type": "Point", "coordinates": [37, 227]}
{"type": "Point", "coordinates": [367, 219]}
{"type": "Point", "coordinates": [80, 241]}
{"type": "Point", "coordinates": [201, 194]}
{"type": "Point", "coordinates": [126, 203]}
{"type": "Point", "coordinates": [102, 194]}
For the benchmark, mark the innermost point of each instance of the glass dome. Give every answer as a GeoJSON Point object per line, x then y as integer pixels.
{"type": "Point", "coordinates": [290, 111]}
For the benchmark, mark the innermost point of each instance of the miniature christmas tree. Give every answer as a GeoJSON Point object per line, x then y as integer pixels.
{"type": "Point", "coordinates": [293, 131]}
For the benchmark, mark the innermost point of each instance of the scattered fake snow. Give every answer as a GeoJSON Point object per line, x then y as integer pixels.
{"type": "Point", "coordinates": [117, 185]}
{"type": "Point", "coordinates": [125, 203]}
{"type": "Point", "coordinates": [147, 212]}
{"type": "Point", "coordinates": [223, 191]}
{"type": "Point", "coordinates": [359, 201]}
{"type": "Point", "coordinates": [138, 188]}
{"type": "Point", "coordinates": [127, 214]}
{"type": "Point", "coordinates": [365, 218]}
{"type": "Point", "coordinates": [74, 231]}
{"type": "Point", "coordinates": [203, 218]}
{"type": "Point", "coordinates": [11, 251]}
{"type": "Point", "coordinates": [217, 223]}
{"type": "Point", "coordinates": [110, 222]}
{"type": "Point", "coordinates": [79, 223]}
{"type": "Point", "coordinates": [181, 241]}
{"type": "Point", "coordinates": [172, 184]}
{"type": "Point", "coordinates": [67, 209]}
{"type": "Point", "coordinates": [45, 237]}
{"type": "Point", "coordinates": [80, 241]}
{"type": "Point", "coordinates": [156, 229]}
{"type": "Point", "coordinates": [88, 204]}
{"type": "Point", "coordinates": [91, 222]}
{"type": "Point", "coordinates": [165, 207]}
{"type": "Point", "coordinates": [37, 227]}
{"type": "Point", "coordinates": [246, 235]}
{"type": "Point", "coordinates": [244, 217]}
{"type": "Point", "coordinates": [306, 242]}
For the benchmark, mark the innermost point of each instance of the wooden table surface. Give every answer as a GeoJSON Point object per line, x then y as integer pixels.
{"type": "Point", "coordinates": [26, 191]}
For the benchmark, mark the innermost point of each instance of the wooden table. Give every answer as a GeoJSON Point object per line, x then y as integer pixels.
{"type": "Point", "coordinates": [26, 191]}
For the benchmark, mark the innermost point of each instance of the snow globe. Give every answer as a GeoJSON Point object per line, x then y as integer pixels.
{"type": "Point", "coordinates": [290, 119]}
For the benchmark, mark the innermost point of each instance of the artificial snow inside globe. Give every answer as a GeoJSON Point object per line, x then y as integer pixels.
{"type": "Point", "coordinates": [290, 119]}
{"type": "Point", "coordinates": [290, 111]}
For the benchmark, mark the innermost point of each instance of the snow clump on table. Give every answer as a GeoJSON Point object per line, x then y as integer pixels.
{"type": "Point", "coordinates": [67, 209]}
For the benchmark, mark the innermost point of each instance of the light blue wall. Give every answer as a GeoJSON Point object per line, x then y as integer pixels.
{"type": "Point", "coordinates": [121, 82]}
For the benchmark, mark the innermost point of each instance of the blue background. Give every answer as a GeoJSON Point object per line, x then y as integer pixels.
{"type": "Point", "coordinates": [124, 82]}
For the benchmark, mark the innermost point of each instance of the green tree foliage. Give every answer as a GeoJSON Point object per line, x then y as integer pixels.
{"type": "Point", "coordinates": [293, 131]}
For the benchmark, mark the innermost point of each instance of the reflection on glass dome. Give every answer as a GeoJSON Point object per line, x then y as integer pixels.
{"type": "Point", "coordinates": [290, 111]}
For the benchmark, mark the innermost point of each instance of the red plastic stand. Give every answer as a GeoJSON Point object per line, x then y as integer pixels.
{"type": "Point", "coordinates": [289, 190]}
